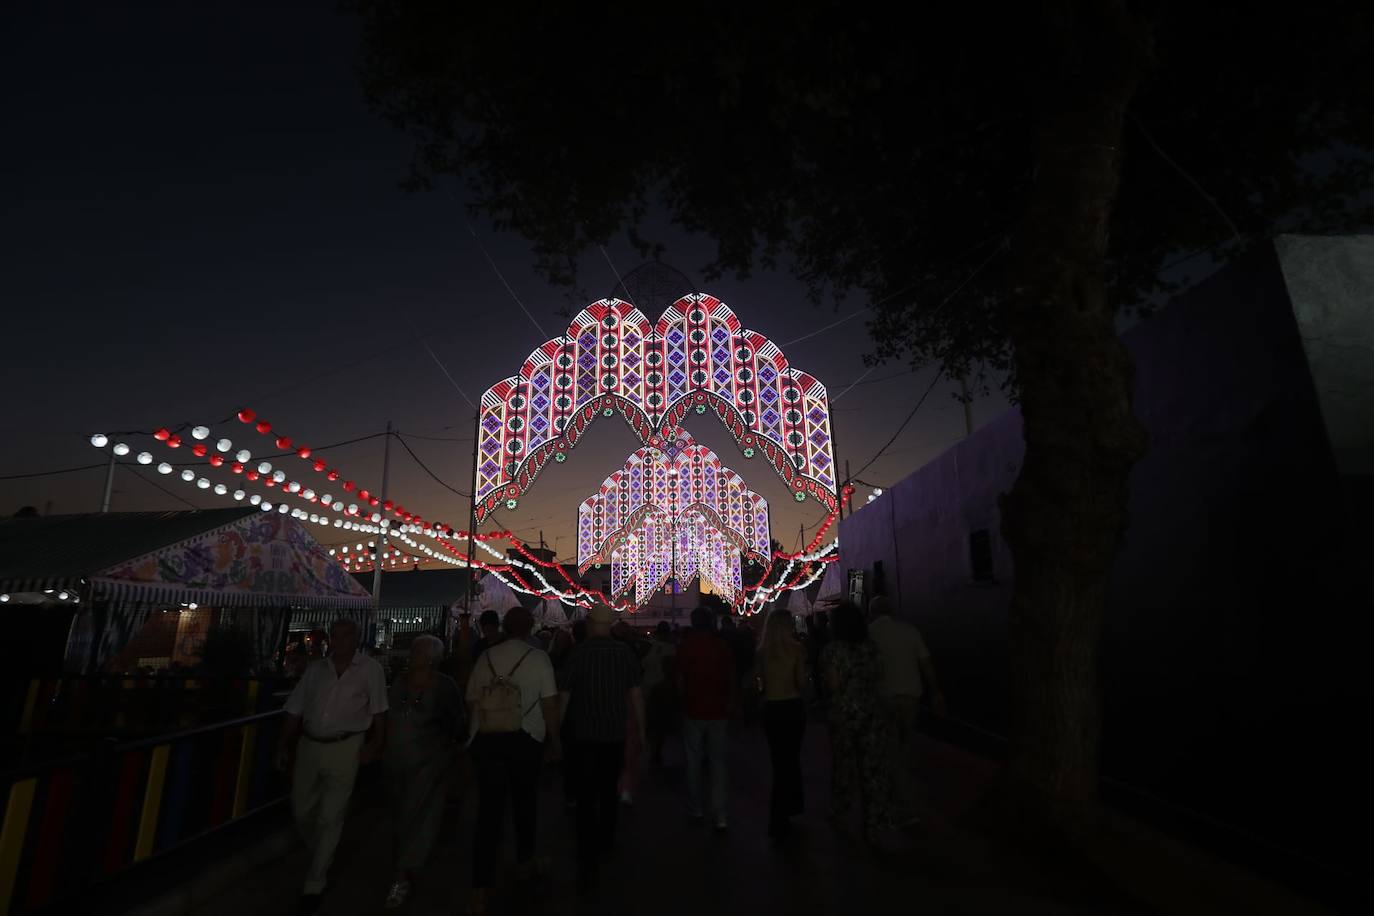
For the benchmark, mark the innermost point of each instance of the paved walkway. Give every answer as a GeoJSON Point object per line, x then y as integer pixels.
{"type": "Point", "coordinates": [665, 866]}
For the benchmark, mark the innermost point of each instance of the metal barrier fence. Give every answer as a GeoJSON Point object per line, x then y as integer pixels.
{"type": "Point", "coordinates": [77, 821]}
{"type": "Point", "coordinates": [105, 704]}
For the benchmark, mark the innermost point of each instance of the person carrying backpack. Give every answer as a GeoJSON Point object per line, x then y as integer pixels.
{"type": "Point", "coordinates": [513, 701]}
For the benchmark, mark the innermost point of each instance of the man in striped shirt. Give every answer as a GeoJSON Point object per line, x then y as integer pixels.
{"type": "Point", "coordinates": [600, 689]}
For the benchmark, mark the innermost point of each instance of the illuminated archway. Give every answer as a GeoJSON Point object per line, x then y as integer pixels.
{"type": "Point", "coordinates": [697, 357]}
{"type": "Point", "coordinates": [685, 547]}
{"type": "Point", "coordinates": [677, 477]}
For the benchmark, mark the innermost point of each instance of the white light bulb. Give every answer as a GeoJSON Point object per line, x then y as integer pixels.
{"type": "Point", "coordinates": [283, 508]}
{"type": "Point", "coordinates": [338, 523]}
{"type": "Point", "coordinates": [243, 456]}
{"type": "Point", "coordinates": [255, 499]}
{"type": "Point", "coordinates": [120, 449]}
{"type": "Point", "coordinates": [352, 508]}
{"type": "Point", "coordinates": [145, 458]}
{"type": "Point", "coordinates": [164, 468]}
{"type": "Point", "coordinates": [239, 494]}
{"type": "Point", "coordinates": [360, 546]}
{"type": "Point", "coordinates": [376, 516]}
{"type": "Point", "coordinates": [326, 499]}
{"type": "Point", "coordinates": [220, 489]}
{"type": "Point", "coordinates": [203, 484]}
{"type": "Point", "coordinates": [278, 476]}
{"type": "Point", "coordinates": [877, 491]}
{"type": "Point", "coordinates": [99, 440]}
{"type": "Point", "coordinates": [4, 599]}
{"type": "Point", "coordinates": [224, 445]}
{"type": "Point", "coordinates": [308, 493]}
{"type": "Point", "coordinates": [188, 475]}
{"type": "Point", "coordinates": [193, 605]}
{"type": "Point", "coordinates": [314, 517]}
{"type": "Point", "coordinates": [62, 596]}
{"type": "Point", "coordinates": [331, 551]}
{"type": "Point", "coordinates": [200, 432]}
{"type": "Point", "coordinates": [264, 467]}
{"type": "Point", "coordinates": [265, 506]}
{"type": "Point", "coordinates": [293, 487]}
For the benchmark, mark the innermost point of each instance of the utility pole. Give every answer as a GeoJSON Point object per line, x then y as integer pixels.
{"type": "Point", "coordinates": [968, 406]}
{"type": "Point", "coordinates": [109, 483]}
{"type": "Point", "coordinates": [381, 538]}
{"type": "Point", "coordinates": [846, 480]}
{"type": "Point", "coordinates": [472, 512]}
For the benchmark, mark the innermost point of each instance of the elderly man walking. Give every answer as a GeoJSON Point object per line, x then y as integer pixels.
{"type": "Point", "coordinates": [338, 711]}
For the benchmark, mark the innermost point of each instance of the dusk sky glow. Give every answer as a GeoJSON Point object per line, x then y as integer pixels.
{"type": "Point", "coordinates": [176, 249]}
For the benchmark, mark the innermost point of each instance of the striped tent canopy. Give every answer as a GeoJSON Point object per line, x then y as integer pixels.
{"type": "Point", "coordinates": [798, 603]}
{"type": "Point", "coordinates": [494, 595]}
{"type": "Point", "coordinates": [832, 589]}
{"type": "Point", "coordinates": [238, 557]}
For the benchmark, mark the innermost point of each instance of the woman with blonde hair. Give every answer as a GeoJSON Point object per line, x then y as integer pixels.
{"type": "Point", "coordinates": [781, 673]}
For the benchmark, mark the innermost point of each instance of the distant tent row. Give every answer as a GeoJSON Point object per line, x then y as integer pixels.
{"type": "Point", "coordinates": [140, 589]}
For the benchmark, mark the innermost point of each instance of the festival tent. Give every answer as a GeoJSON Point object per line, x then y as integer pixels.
{"type": "Point", "coordinates": [494, 595]}
{"type": "Point", "coordinates": [173, 575]}
{"type": "Point", "coordinates": [798, 603]}
{"type": "Point", "coordinates": [549, 613]}
{"type": "Point", "coordinates": [416, 600]}
{"type": "Point", "coordinates": [832, 586]}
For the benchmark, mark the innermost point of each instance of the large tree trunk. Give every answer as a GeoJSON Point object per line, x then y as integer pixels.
{"type": "Point", "coordinates": [1065, 515]}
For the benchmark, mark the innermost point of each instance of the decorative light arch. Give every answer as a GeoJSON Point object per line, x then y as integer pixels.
{"type": "Point", "coordinates": [697, 357]}
{"type": "Point", "coordinates": [676, 477]}
{"type": "Point", "coordinates": [645, 558]}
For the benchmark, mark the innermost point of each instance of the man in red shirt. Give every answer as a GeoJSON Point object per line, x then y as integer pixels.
{"type": "Point", "coordinates": [706, 679]}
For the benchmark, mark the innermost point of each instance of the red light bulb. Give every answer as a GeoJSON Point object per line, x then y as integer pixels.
{"type": "Point", "coordinates": [264, 427]}
{"type": "Point", "coordinates": [246, 415]}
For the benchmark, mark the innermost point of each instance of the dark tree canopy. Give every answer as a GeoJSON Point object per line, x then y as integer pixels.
{"type": "Point", "coordinates": [1000, 180]}
{"type": "Point", "coordinates": [871, 154]}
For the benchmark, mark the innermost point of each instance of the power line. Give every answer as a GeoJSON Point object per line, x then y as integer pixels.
{"type": "Point", "coordinates": [84, 467]}
{"type": "Point", "coordinates": [938, 375]}
{"type": "Point", "coordinates": [440, 438]}
{"type": "Point", "coordinates": [421, 463]}
{"type": "Point", "coordinates": [444, 369]}
{"type": "Point", "coordinates": [534, 321]}
{"type": "Point", "coordinates": [157, 486]}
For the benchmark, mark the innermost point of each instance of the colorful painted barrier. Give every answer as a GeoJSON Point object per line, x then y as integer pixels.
{"type": "Point", "coordinates": [75, 822]}
{"type": "Point", "coordinates": [136, 705]}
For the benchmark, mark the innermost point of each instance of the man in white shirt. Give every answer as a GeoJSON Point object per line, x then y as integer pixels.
{"type": "Point", "coordinates": [507, 762]}
{"type": "Point", "coordinates": [907, 669]}
{"type": "Point", "coordinates": [338, 711]}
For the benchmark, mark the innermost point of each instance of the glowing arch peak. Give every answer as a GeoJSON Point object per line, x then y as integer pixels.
{"type": "Point", "coordinates": [613, 360]}
{"type": "Point", "coordinates": [674, 479]}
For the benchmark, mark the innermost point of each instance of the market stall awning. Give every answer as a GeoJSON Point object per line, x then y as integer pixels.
{"type": "Point", "coordinates": [222, 557]}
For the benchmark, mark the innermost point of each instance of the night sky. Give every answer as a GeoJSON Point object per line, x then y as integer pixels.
{"type": "Point", "coordinates": [200, 213]}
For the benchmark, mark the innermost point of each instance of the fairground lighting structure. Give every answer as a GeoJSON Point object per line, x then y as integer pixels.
{"type": "Point", "coordinates": [696, 359]}
{"type": "Point", "coordinates": [673, 511]}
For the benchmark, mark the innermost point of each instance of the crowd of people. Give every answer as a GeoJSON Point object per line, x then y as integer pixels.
{"type": "Point", "coordinates": [602, 700]}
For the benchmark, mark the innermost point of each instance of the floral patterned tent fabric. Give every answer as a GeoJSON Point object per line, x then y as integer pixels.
{"type": "Point", "coordinates": [263, 559]}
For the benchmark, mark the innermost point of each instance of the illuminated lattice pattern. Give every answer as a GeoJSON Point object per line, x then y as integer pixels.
{"type": "Point", "coordinates": [697, 358]}
{"type": "Point", "coordinates": [677, 475]}
{"type": "Point", "coordinates": [646, 557]}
